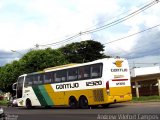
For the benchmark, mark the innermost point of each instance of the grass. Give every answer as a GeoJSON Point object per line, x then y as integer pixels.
{"type": "Point", "coordinates": [3, 102]}
{"type": "Point", "coordinates": [146, 99]}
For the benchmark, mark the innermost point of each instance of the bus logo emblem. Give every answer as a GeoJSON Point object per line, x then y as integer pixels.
{"type": "Point", "coordinates": [118, 63]}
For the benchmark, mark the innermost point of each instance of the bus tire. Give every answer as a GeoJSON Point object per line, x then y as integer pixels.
{"type": "Point", "coordinates": [83, 102]}
{"type": "Point", "coordinates": [73, 102]}
{"type": "Point", "coordinates": [28, 104]}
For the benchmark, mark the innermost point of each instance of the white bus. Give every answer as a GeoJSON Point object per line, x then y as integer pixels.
{"type": "Point", "coordinates": [100, 82]}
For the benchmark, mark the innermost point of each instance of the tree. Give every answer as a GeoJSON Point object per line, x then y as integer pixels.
{"type": "Point", "coordinates": [84, 51]}
{"type": "Point", "coordinates": [8, 75]}
{"type": "Point", "coordinates": [33, 61]}
{"type": "Point", "coordinates": [37, 60]}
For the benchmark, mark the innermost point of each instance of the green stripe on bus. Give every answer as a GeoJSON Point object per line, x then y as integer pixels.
{"type": "Point", "coordinates": [39, 95]}
{"type": "Point", "coordinates": [45, 95]}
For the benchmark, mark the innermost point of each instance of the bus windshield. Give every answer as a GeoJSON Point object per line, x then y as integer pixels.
{"type": "Point", "coordinates": [20, 87]}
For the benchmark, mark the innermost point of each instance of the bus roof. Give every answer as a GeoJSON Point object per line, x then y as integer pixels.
{"type": "Point", "coordinates": [60, 66]}
{"type": "Point", "coordinates": [35, 73]}
{"type": "Point", "coordinates": [78, 64]}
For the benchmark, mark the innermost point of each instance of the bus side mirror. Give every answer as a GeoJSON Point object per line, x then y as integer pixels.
{"type": "Point", "coordinates": [14, 86]}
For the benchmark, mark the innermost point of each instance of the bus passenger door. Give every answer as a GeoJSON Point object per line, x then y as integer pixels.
{"type": "Point", "coordinates": [20, 87]}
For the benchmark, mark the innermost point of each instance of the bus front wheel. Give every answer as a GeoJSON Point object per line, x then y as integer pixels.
{"type": "Point", "coordinates": [83, 102]}
{"type": "Point", "coordinates": [28, 104]}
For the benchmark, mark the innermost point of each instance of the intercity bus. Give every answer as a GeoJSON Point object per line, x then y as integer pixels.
{"type": "Point", "coordinates": [97, 83]}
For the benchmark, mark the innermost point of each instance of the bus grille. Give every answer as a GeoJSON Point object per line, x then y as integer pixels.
{"type": "Point", "coordinates": [98, 95]}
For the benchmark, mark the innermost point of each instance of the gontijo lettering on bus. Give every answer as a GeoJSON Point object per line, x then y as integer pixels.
{"type": "Point", "coordinates": [67, 86]}
{"type": "Point", "coordinates": [119, 70]}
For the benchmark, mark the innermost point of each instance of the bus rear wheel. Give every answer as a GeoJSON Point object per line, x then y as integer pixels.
{"type": "Point", "coordinates": [28, 104]}
{"type": "Point", "coordinates": [72, 102]}
{"type": "Point", "coordinates": [83, 102]}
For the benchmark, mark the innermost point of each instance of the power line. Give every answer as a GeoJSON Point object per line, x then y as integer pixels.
{"type": "Point", "coordinates": [145, 63]}
{"type": "Point", "coordinates": [77, 35]}
{"type": "Point", "coordinates": [132, 34]}
{"type": "Point", "coordinates": [109, 19]}
{"type": "Point", "coordinates": [130, 53]}
{"type": "Point", "coordinates": [62, 41]}
{"type": "Point", "coordinates": [105, 26]}
{"type": "Point", "coordinates": [122, 19]}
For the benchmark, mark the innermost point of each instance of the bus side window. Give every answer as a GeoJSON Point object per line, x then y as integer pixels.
{"type": "Point", "coordinates": [87, 72]}
{"type": "Point", "coordinates": [53, 77]}
{"type": "Point", "coordinates": [28, 81]}
{"type": "Point", "coordinates": [61, 76]}
{"type": "Point", "coordinates": [48, 77]}
{"type": "Point", "coordinates": [84, 72]}
{"type": "Point", "coordinates": [96, 70]}
{"type": "Point", "coordinates": [80, 73]}
{"type": "Point", "coordinates": [35, 79]}
{"type": "Point", "coordinates": [64, 75]}
{"type": "Point", "coordinates": [72, 74]}
{"type": "Point", "coordinates": [40, 78]}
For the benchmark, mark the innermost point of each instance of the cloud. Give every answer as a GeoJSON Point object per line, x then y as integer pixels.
{"type": "Point", "coordinates": [26, 23]}
{"type": "Point", "coordinates": [147, 61]}
{"type": "Point", "coordinates": [147, 44]}
{"type": "Point", "coordinates": [7, 57]}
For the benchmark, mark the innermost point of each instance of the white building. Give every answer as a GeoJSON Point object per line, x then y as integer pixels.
{"type": "Point", "coordinates": [145, 81]}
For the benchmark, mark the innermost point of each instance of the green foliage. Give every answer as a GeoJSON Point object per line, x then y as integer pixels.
{"type": "Point", "coordinates": [146, 99]}
{"type": "Point", "coordinates": [84, 51]}
{"type": "Point", "coordinates": [8, 74]}
{"type": "Point", "coordinates": [4, 102]}
{"type": "Point", "coordinates": [37, 60]}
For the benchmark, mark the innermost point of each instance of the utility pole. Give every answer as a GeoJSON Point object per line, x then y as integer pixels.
{"type": "Point", "coordinates": [37, 46]}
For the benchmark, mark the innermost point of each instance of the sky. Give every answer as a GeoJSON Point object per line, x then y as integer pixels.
{"type": "Point", "coordinates": [25, 23]}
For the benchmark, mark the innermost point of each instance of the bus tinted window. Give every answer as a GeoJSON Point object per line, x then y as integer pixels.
{"type": "Point", "coordinates": [34, 79]}
{"type": "Point", "coordinates": [61, 76]}
{"type": "Point", "coordinates": [87, 72]}
{"type": "Point", "coordinates": [40, 78]}
{"type": "Point", "coordinates": [84, 72]}
{"type": "Point", "coordinates": [28, 81]}
{"type": "Point", "coordinates": [72, 74]}
{"type": "Point", "coordinates": [96, 70]}
{"type": "Point", "coordinates": [48, 77]}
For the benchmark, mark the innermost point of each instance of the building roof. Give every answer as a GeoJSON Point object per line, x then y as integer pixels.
{"type": "Point", "coordinates": [146, 77]}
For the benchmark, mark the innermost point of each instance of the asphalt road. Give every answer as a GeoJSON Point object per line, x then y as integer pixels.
{"type": "Point", "coordinates": [120, 111]}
